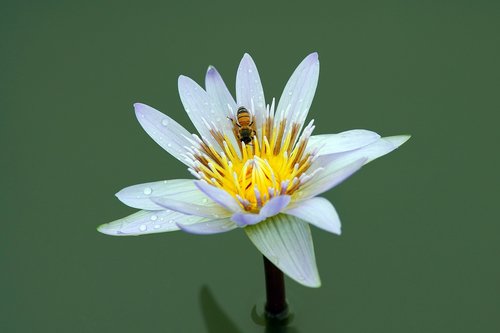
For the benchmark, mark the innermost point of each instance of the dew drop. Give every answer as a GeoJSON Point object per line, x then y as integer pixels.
{"type": "Point", "coordinates": [205, 200]}
{"type": "Point", "coordinates": [164, 122]}
{"type": "Point", "coordinates": [154, 217]}
{"type": "Point", "coordinates": [148, 190]}
{"type": "Point", "coordinates": [169, 145]}
{"type": "Point", "coordinates": [249, 70]}
{"type": "Point", "coordinates": [289, 93]}
{"type": "Point", "coordinates": [143, 227]}
{"type": "Point", "coordinates": [157, 226]}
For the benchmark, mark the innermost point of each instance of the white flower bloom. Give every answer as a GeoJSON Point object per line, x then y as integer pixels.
{"type": "Point", "coordinates": [265, 180]}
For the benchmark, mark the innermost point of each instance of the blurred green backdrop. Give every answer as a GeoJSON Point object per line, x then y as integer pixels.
{"type": "Point", "coordinates": [420, 245]}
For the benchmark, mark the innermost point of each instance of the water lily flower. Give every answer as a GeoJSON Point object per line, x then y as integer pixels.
{"type": "Point", "coordinates": [265, 181]}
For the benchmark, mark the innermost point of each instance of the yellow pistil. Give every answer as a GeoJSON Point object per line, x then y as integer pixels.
{"type": "Point", "coordinates": [270, 165]}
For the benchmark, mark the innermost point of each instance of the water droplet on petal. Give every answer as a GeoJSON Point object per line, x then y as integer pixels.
{"type": "Point", "coordinates": [249, 70]}
{"type": "Point", "coordinates": [154, 217]}
{"type": "Point", "coordinates": [205, 200]}
{"type": "Point", "coordinates": [157, 226]}
{"type": "Point", "coordinates": [164, 122]}
{"type": "Point", "coordinates": [143, 227]}
{"type": "Point", "coordinates": [169, 145]}
{"type": "Point", "coordinates": [148, 190]}
{"type": "Point", "coordinates": [289, 93]}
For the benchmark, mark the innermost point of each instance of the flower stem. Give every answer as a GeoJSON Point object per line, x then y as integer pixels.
{"type": "Point", "coordinates": [276, 306]}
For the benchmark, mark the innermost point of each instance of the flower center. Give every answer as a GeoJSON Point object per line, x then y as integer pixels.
{"type": "Point", "coordinates": [273, 163]}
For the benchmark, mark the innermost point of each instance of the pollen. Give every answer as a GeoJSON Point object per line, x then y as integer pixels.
{"type": "Point", "coordinates": [275, 162]}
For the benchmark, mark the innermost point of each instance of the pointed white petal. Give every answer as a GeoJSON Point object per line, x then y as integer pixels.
{"type": "Point", "coordinates": [317, 211]}
{"type": "Point", "coordinates": [369, 152]}
{"type": "Point", "coordinates": [219, 196]}
{"type": "Point", "coordinates": [249, 92]}
{"type": "Point", "coordinates": [199, 107]}
{"type": "Point", "coordinates": [340, 142]}
{"type": "Point", "coordinates": [217, 89]}
{"type": "Point", "coordinates": [147, 222]}
{"type": "Point", "coordinates": [328, 178]}
{"type": "Point", "coordinates": [198, 205]}
{"type": "Point", "coordinates": [298, 94]}
{"type": "Point", "coordinates": [286, 241]}
{"type": "Point", "coordinates": [337, 167]}
{"type": "Point", "coordinates": [225, 106]}
{"type": "Point", "coordinates": [140, 196]}
{"type": "Point", "coordinates": [208, 227]}
{"type": "Point", "coordinates": [164, 130]}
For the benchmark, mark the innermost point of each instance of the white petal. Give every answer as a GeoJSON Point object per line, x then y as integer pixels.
{"type": "Point", "coordinates": [286, 241]}
{"type": "Point", "coordinates": [164, 130]}
{"type": "Point", "coordinates": [328, 178]}
{"type": "Point", "coordinates": [224, 103]}
{"type": "Point", "coordinates": [219, 196]}
{"type": "Point", "coordinates": [194, 206]}
{"type": "Point", "coordinates": [249, 92]}
{"type": "Point", "coordinates": [337, 167]}
{"type": "Point", "coordinates": [209, 227]}
{"type": "Point", "coordinates": [199, 107]}
{"type": "Point", "coordinates": [140, 196]}
{"type": "Point", "coordinates": [147, 222]}
{"type": "Point", "coordinates": [317, 211]}
{"type": "Point", "coordinates": [340, 142]}
{"type": "Point", "coordinates": [369, 152]}
{"type": "Point", "coordinates": [298, 94]}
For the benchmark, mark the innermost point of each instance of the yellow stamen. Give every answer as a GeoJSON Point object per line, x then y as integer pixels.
{"type": "Point", "coordinates": [271, 164]}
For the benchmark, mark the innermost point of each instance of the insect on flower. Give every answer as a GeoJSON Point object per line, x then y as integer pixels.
{"type": "Point", "coordinates": [261, 170]}
{"type": "Point", "coordinates": [244, 126]}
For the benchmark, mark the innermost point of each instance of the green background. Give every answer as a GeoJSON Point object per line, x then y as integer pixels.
{"type": "Point", "coordinates": [420, 245]}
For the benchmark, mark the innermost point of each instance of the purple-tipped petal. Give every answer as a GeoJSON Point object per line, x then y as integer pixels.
{"type": "Point", "coordinates": [244, 219]}
{"type": "Point", "coordinates": [208, 227]}
{"type": "Point", "coordinates": [249, 92]}
{"type": "Point", "coordinates": [148, 222]}
{"type": "Point", "coordinates": [286, 241]}
{"type": "Point", "coordinates": [163, 130]}
{"type": "Point", "coordinates": [275, 205]}
{"type": "Point", "coordinates": [317, 211]}
{"type": "Point", "coordinates": [299, 91]}
{"type": "Point", "coordinates": [341, 142]}
{"type": "Point", "coordinates": [220, 196]}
